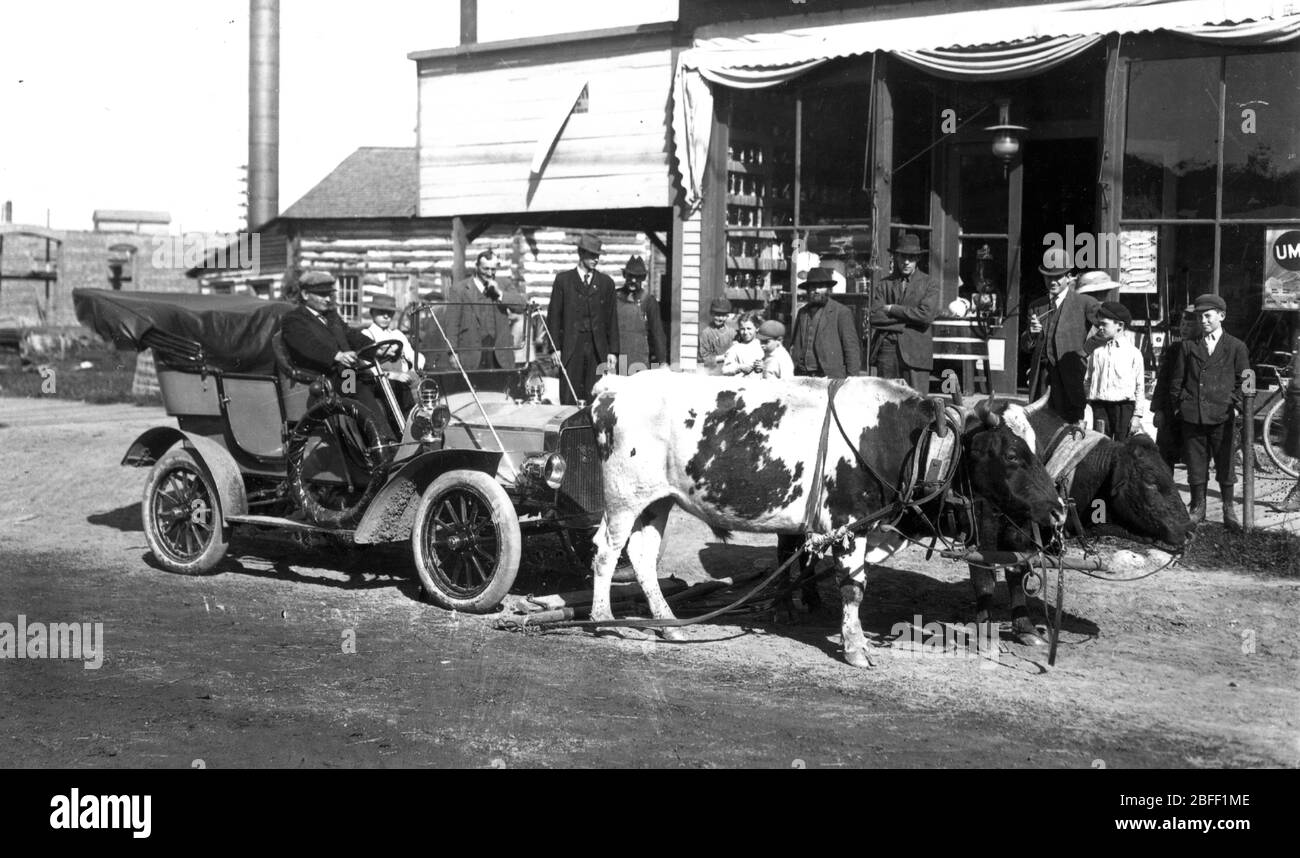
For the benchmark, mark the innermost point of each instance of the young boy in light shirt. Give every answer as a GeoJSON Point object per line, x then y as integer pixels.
{"type": "Point", "coordinates": [777, 362]}
{"type": "Point", "coordinates": [1115, 379]}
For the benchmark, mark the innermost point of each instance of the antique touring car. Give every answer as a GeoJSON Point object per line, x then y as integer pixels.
{"type": "Point", "coordinates": [481, 457]}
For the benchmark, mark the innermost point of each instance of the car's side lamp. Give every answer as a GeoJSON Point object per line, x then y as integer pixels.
{"type": "Point", "coordinates": [549, 469]}
{"type": "Point", "coordinates": [535, 386]}
{"type": "Point", "coordinates": [431, 415]}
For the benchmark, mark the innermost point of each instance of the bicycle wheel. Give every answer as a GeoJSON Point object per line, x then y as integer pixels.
{"type": "Point", "coordinates": [1275, 440]}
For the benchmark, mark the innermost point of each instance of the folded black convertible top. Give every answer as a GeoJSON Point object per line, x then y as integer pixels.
{"type": "Point", "coordinates": [226, 332]}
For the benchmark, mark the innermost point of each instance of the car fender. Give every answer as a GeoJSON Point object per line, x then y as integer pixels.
{"type": "Point", "coordinates": [221, 467]}
{"type": "Point", "coordinates": [391, 515]}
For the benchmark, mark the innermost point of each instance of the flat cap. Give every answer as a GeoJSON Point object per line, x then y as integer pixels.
{"type": "Point", "coordinates": [771, 330]}
{"type": "Point", "coordinates": [720, 306]}
{"type": "Point", "coordinates": [1210, 302]}
{"type": "Point", "coordinates": [1117, 311]}
{"type": "Point", "coordinates": [319, 282]}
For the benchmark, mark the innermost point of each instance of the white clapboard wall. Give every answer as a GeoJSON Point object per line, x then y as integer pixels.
{"type": "Point", "coordinates": [480, 133]}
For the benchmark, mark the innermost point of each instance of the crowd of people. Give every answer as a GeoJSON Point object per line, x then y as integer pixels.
{"type": "Point", "coordinates": [1082, 353]}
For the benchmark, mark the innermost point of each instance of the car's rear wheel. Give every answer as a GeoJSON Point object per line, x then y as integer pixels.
{"type": "Point", "coordinates": [466, 541]}
{"type": "Point", "coordinates": [183, 523]}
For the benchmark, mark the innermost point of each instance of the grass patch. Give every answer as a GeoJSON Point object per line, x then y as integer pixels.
{"type": "Point", "coordinates": [108, 381]}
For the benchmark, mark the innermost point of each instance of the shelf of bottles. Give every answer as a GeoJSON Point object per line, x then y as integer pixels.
{"type": "Point", "coordinates": [760, 208]}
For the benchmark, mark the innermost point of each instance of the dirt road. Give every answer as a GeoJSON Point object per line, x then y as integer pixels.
{"type": "Point", "coordinates": [312, 657]}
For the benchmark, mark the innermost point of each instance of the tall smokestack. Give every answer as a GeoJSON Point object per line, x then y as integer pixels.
{"type": "Point", "coordinates": [263, 112]}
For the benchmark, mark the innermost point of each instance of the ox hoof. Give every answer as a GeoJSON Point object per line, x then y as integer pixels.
{"type": "Point", "coordinates": [1024, 633]}
{"type": "Point", "coordinates": [675, 635]}
{"type": "Point", "coordinates": [858, 658]}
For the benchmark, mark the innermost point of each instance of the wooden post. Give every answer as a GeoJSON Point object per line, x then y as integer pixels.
{"type": "Point", "coordinates": [1248, 450]}
{"type": "Point", "coordinates": [459, 242]}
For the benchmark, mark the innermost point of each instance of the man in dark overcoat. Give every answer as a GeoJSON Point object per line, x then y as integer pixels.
{"type": "Point", "coordinates": [583, 320]}
{"type": "Point", "coordinates": [1205, 386]}
{"type": "Point", "coordinates": [318, 340]}
{"type": "Point", "coordinates": [903, 307]}
{"type": "Point", "coordinates": [1058, 328]}
{"type": "Point", "coordinates": [825, 341]}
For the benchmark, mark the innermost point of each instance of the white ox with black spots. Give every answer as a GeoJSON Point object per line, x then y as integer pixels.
{"type": "Point", "coordinates": [741, 456]}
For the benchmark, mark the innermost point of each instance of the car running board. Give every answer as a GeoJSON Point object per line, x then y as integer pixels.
{"type": "Point", "coordinates": [286, 524]}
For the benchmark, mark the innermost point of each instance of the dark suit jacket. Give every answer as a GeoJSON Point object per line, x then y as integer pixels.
{"type": "Point", "coordinates": [479, 327]}
{"type": "Point", "coordinates": [312, 345]}
{"type": "Point", "coordinates": [913, 313]}
{"type": "Point", "coordinates": [1077, 314]}
{"type": "Point", "coordinates": [833, 335]}
{"type": "Point", "coordinates": [575, 307]}
{"type": "Point", "coordinates": [647, 341]}
{"type": "Point", "coordinates": [1206, 388]}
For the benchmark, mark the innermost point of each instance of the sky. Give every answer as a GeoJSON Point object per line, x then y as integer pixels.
{"type": "Point", "coordinates": [143, 104]}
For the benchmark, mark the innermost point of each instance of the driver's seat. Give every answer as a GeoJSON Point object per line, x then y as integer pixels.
{"type": "Point", "coordinates": [297, 385]}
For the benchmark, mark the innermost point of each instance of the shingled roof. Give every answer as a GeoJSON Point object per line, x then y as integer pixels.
{"type": "Point", "coordinates": [374, 181]}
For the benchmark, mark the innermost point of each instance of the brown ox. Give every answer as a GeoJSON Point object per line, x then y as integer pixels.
{"type": "Point", "coordinates": [741, 455]}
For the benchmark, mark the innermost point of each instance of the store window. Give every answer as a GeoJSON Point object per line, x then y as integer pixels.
{"type": "Point", "coordinates": [1211, 161]}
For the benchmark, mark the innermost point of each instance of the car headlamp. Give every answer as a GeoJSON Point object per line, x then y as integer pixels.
{"type": "Point", "coordinates": [549, 469]}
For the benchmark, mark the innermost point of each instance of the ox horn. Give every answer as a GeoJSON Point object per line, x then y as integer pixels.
{"type": "Point", "coordinates": [1038, 404]}
{"type": "Point", "coordinates": [984, 411]}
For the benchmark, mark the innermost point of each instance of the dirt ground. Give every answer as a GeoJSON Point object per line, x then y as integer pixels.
{"type": "Point", "coordinates": [1195, 667]}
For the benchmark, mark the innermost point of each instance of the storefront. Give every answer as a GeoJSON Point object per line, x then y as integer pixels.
{"type": "Point", "coordinates": [1157, 141]}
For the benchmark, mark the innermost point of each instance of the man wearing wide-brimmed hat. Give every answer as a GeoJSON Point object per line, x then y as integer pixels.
{"type": "Point", "coordinates": [1056, 333]}
{"type": "Point", "coordinates": [640, 329]}
{"type": "Point", "coordinates": [825, 339]}
{"type": "Point", "coordinates": [903, 306]}
{"type": "Point", "coordinates": [583, 321]}
{"type": "Point", "coordinates": [1205, 386]}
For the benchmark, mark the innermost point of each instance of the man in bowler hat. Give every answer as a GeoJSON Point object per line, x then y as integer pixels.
{"type": "Point", "coordinates": [640, 329]}
{"type": "Point", "coordinates": [825, 343]}
{"type": "Point", "coordinates": [1058, 329]}
{"type": "Point", "coordinates": [1205, 387]}
{"type": "Point", "coordinates": [903, 306]}
{"type": "Point", "coordinates": [583, 321]}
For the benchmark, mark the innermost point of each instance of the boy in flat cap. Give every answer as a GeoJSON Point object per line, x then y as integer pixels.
{"type": "Point", "coordinates": [777, 362]}
{"type": "Point", "coordinates": [583, 320]}
{"type": "Point", "coordinates": [318, 340]}
{"type": "Point", "coordinates": [718, 337]}
{"type": "Point", "coordinates": [1115, 379]}
{"type": "Point", "coordinates": [1205, 386]}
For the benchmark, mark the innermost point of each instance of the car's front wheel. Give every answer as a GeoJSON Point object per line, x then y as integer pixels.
{"type": "Point", "coordinates": [183, 523]}
{"type": "Point", "coordinates": [466, 541]}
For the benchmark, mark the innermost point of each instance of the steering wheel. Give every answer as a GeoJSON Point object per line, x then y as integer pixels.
{"type": "Point", "coordinates": [385, 351]}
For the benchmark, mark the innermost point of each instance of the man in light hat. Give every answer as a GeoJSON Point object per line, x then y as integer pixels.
{"type": "Point", "coordinates": [640, 329]}
{"type": "Point", "coordinates": [583, 320]}
{"type": "Point", "coordinates": [1057, 331]}
{"type": "Point", "coordinates": [903, 306]}
{"type": "Point", "coordinates": [825, 339]}
{"type": "Point", "coordinates": [718, 337]}
{"type": "Point", "coordinates": [477, 318]}
{"type": "Point", "coordinates": [318, 340]}
{"type": "Point", "coordinates": [1205, 386]}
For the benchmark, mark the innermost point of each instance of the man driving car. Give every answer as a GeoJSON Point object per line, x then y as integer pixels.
{"type": "Point", "coordinates": [320, 341]}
